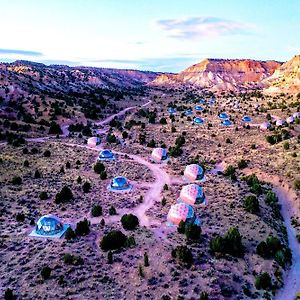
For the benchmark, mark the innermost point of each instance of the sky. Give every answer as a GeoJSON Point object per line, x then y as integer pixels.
{"type": "Point", "coordinates": [156, 35]}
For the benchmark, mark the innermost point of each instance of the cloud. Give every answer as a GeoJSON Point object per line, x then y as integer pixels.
{"type": "Point", "coordinates": [20, 52]}
{"type": "Point", "coordinates": [158, 64]}
{"type": "Point", "coordinates": [197, 27]}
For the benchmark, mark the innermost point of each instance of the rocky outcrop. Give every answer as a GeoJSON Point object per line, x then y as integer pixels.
{"type": "Point", "coordinates": [222, 74]}
{"type": "Point", "coordinates": [286, 79]}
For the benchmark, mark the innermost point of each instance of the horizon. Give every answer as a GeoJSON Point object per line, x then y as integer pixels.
{"type": "Point", "coordinates": [157, 37]}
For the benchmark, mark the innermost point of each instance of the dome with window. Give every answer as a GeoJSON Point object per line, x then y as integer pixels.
{"type": "Point", "coordinates": [106, 155]}
{"type": "Point", "coordinates": [192, 194]}
{"type": "Point", "coordinates": [194, 172]}
{"type": "Point", "coordinates": [159, 154]}
{"type": "Point", "coordinates": [49, 225]}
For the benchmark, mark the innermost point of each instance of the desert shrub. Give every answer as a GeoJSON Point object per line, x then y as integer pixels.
{"type": "Point", "coordinates": [96, 210]}
{"type": "Point", "coordinates": [74, 260]}
{"type": "Point", "coordinates": [230, 244]}
{"type": "Point", "coordinates": [242, 164]}
{"type": "Point", "coordinates": [79, 179]}
{"type": "Point", "coordinates": [26, 164]}
{"type": "Point", "coordinates": [17, 180]}
{"type": "Point", "coordinates": [64, 195]}
{"type": "Point", "coordinates": [273, 248]}
{"type": "Point", "coordinates": [70, 234]}
{"type": "Point", "coordinates": [43, 195]}
{"type": "Point", "coordinates": [46, 272]}
{"type": "Point", "coordinates": [193, 232]}
{"type": "Point", "coordinates": [103, 175]}
{"type": "Point", "coordinates": [86, 187]}
{"type": "Point", "coordinates": [163, 121]}
{"type": "Point", "coordinates": [37, 174]}
{"type": "Point", "coordinates": [183, 255]}
{"type": "Point", "coordinates": [253, 183]}
{"type": "Point", "coordinates": [181, 227]}
{"type": "Point", "coordinates": [230, 172]}
{"type": "Point", "coordinates": [129, 221]}
{"type": "Point", "coordinates": [112, 211]}
{"type": "Point", "coordinates": [203, 296]}
{"type": "Point", "coordinates": [297, 184]}
{"type": "Point", "coordinates": [47, 153]}
{"type": "Point", "coordinates": [55, 128]}
{"type": "Point", "coordinates": [146, 260]}
{"type": "Point", "coordinates": [286, 146]}
{"type": "Point", "coordinates": [82, 227]}
{"type": "Point", "coordinates": [20, 217]}
{"type": "Point", "coordinates": [109, 257]}
{"type": "Point", "coordinates": [263, 281]}
{"type": "Point", "coordinates": [9, 295]}
{"type": "Point", "coordinates": [99, 167]}
{"type": "Point", "coordinates": [130, 242]}
{"type": "Point", "coordinates": [68, 165]}
{"type": "Point", "coordinates": [113, 240]}
{"type": "Point", "coordinates": [251, 204]}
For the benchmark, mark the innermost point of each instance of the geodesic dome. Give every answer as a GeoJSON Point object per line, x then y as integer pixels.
{"type": "Point", "coordinates": [93, 141]}
{"type": "Point", "coordinates": [188, 112]}
{"type": "Point", "coordinates": [202, 101]}
{"type": "Point", "coordinates": [246, 119]}
{"type": "Point", "coordinates": [199, 108]}
{"type": "Point", "coordinates": [279, 122]}
{"type": "Point", "coordinates": [159, 154]}
{"type": "Point", "coordinates": [198, 121]}
{"type": "Point", "coordinates": [265, 126]}
{"type": "Point", "coordinates": [106, 155]}
{"type": "Point", "coordinates": [194, 172]}
{"type": "Point", "coordinates": [48, 225]}
{"type": "Point", "coordinates": [192, 194]}
{"type": "Point", "coordinates": [171, 110]}
{"type": "Point", "coordinates": [181, 212]}
{"type": "Point", "coordinates": [119, 183]}
{"type": "Point", "coordinates": [226, 122]}
{"type": "Point", "coordinates": [289, 120]}
{"type": "Point", "coordinates": [223, 115]}
{"type": "Point", "coordinates": [296, 115]}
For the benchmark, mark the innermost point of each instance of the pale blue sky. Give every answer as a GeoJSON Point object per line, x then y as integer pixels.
{"type": "Point", "coordinates": [159, 35]}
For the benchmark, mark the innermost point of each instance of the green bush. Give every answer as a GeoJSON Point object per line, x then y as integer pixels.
{"type": "Point", "coordinates": [86, 187]}
{"type": "Point", "coordinates": [43, 195]}
{"type": "Point", "coordinates": [129, 221]}
{"type": "Point", "coordinates": [9, 295]}
{"type": "Point", "coordinates": [193, 232]}
{"type": "Point", "coordinates": [230, 244]}
{"type": "Point", "coordinates": [183, 254]}
{"type": "Point", "coordinates": [96, 210]}
{"type": "Point", "coordinates": [20, 217]}
{"type": "Point", "coordinates": [17, 180]}
{"type": "Point", "coordinates": [70, 234]}
{"type": "Point", "coordinates": [64, 195]}
{"type": "Point", "coordinates": [297, 184]}
{"type": "Point", "coordinates": [242, 164]}
{"type": "Point", "coordinates": [263, 281]}
{"type": "Point", "coordinates": [74, 260]}
{"type": "Point", "coordinates": [47, 153]}
{"type": "Point", "coordinates": [112, 211]}
{"type": "Point", "coordinates": [99, 167]}
{"type": "Point", "coordinates": [46, 272]}
{"type": "Point", "coordinates": [82, 227]}
{"type": "Point", "coordinates": [113, 240]}
{"type": "Point", "coordinates": [273, 248]}
{"type": "Point", "coordinates": [251, 204]}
